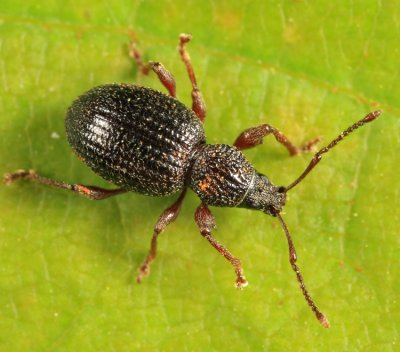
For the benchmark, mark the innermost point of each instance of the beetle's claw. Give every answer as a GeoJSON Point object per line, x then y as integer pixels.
{"type": "Point", "coordinates": [185, 38]}
{"type": "Point", "coordinates": [241, 282]}
{"type": "Point", "coordinates": [9, 178]}
{"type": "Point", "coordinates": [144, 271]}
{"type": "Point", "coordinates": [310, 145]}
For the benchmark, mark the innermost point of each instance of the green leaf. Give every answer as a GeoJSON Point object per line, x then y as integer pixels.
{"type": "Point", "coordinates": [309, 69]}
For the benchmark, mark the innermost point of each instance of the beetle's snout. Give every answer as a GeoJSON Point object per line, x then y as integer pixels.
{"type": "Point", "coordinates": [263, 195]}
{"type": "Point", "coordinates": [281, 194]}
{"type": "Point", "coordinates": [277, 202]}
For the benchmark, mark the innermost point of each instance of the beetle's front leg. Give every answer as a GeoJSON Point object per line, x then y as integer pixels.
{"type": "Point", "coordinates": [254, 136]}
{"type": "Point", "coordinates": [206, 223]}
{"type": "Point", "coordinates": [166, 217]}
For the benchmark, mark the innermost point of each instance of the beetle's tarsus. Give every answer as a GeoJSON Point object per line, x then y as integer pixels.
{"type": "Point", "coordinates": [136, 56]}
{"type": "Point", "coordinates": [9, 178]}
{"type": "Point", "coordinates": [144, 271]}
{"type": "Point", "coordinates": [310, 145]}
{"type": "Point", "coordinates": [241, 282]}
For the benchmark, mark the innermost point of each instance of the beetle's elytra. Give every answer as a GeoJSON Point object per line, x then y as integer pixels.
{"type": "Point", "coordinates": [148, 142]}
{"type": "Point", "coordinates": [135, 137]}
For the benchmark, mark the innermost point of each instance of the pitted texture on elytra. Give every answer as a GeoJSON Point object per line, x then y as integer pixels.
{"type": "Point", "coordinates": [221, 175]}
{"type": "Point", "coordinates": [135, 137]}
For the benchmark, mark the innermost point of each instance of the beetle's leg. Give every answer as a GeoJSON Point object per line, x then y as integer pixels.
{"type": "Point", "coordinates": [91, 192]}
{"type": "Point", "coordinates": [206, 223]}
{"type": "Point", "coordinates": [163, 74]}
{"type": "Point", "coordinates": [198, 105]}
{"type": "Point", "coordinates": [253, 136]}
{"type": "Point", "coordinates": [166, 217]}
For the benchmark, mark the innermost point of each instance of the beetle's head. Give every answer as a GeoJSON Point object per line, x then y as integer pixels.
{"type": "Point", "coordinates": [263, 195]}
{"type": "Point", "coordinates": [277, 201]}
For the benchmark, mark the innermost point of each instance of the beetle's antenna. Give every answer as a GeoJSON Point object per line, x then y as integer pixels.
{"type": "Point", "coordinates": [292, 258]}
{"type": "Point", "coordinates": [318, 156]}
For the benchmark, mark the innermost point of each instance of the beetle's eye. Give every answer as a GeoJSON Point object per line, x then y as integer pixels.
{"type": "Point", "coordinates": [264, 178]}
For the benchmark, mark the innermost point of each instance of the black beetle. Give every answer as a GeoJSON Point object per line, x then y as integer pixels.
{"type": "Point", "coordinates": [145, 141]}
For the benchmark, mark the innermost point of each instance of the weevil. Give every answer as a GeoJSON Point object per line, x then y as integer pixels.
{"type": "Point", "coordinates": [148, 142]}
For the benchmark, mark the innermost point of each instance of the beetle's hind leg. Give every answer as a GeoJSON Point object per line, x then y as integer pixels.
{"type": "Point", "coordinates": [158, 68]}
{"type": "Point", "coordinates": [198, 105]}
{"type": "Point", "coordinates": [167, 79]}
{"type": "Point", "coordinates": [206, 223]}
{"type": "Point", "coordinates": [91, 192]}
{"type": "Point", "coordinates": [252, 137]}
{"type": "Point", "coordinates": [166, 217]}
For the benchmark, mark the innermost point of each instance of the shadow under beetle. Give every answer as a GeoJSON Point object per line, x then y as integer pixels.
{"type": "Point", "coordinates": [147, 142]}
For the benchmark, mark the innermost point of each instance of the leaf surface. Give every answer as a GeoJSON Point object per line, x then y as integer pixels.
{"type": "Point", "coordinates": [309, 69]}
